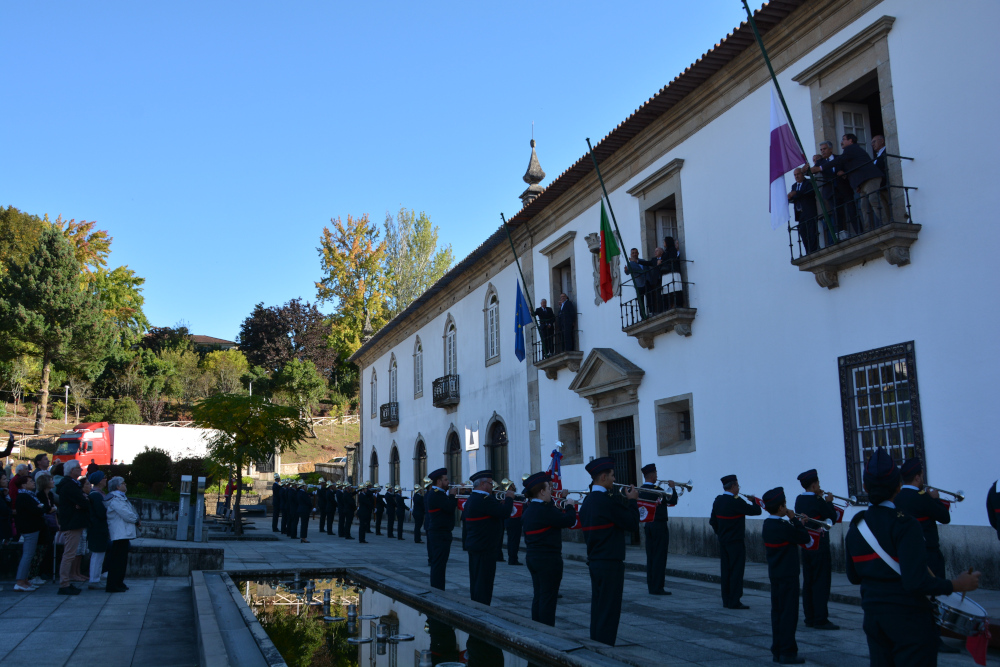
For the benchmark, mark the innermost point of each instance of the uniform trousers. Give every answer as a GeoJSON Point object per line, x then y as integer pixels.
{"type": "Point", "coordinates": [275, 512]}
{"type": "Point", "coordinates": [391, 523]}
{"type": "Point", "coordinates": [482, 574]}
{"type": "Point", "coordinates": [304, 520]}
{"type": "Point", "coordinates": [607, 578]}
{"type": "Point", "coordinates": [284, 522]}
{"type": "Point", "coordinates": [329, 521]}
{"type": "Point", "coordinates": [378, 522]}
{"type": "Point", "coordinates": [348, 523]}
{"type": "Point", "coordinates": [733, 559]}
{"type": "Point", "coordinates": [364, 527]}
{"type": "Point", "coordinates": [546, 575]}
{"type": "Point", "coordinates": [293, 525]}
{"type": "Point", "coordinates": [816, 579]}
{"type": "Point", "coordinates": [901, 638]}
{"type": "Point", "coordinates": [418, 524]}
{"type": "Point", "coordinates": [438, 550]}
{"type": "Point", "coordinates": [513, 539]}
{"type": "Point", "coordinates": [784, 616]}
{"type": "Point", "coordinates": [322, 517]}
{"type": "Point", "coordinates": [657, 543]}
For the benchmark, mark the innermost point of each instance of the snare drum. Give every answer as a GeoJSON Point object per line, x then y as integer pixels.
{"type": "Point", "coordinates": [963, 617]}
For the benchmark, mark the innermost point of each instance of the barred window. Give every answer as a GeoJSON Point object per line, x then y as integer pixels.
{"type": "Point", "coordinates": [881, 408]}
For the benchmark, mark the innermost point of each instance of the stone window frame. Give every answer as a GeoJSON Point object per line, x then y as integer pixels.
{"type": "Point", "coordinates": [666, 443]}
{"type": "Point", "coordinates": [419, 462]}
{"type": "Point", "coordinates": [491, 329]}
{"type": "Point", "coordinates": [373, 466]}
{"type": "Point", "coordinates": [650, 193]}
{"type": "Point", "coordinates": [418, 369]}
{"type": "Point", "coordinates": [571, 456]}
{"type": "Point", "coordinates": [558, 252]}
{"type": "Point", "coordinates": [490, 446]}
{"type": "Point", "coordinates": [394, 471]}
{"type": "Point", "coordinates": [452, 430]}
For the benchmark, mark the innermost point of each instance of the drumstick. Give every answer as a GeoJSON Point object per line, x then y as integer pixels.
{"type": "Point", "coordinates": [963, 594]}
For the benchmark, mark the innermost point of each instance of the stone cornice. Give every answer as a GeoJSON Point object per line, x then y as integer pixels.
{"type": "Point", "coordinates": [657, 177]}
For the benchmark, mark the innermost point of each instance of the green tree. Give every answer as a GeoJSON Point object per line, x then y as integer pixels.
{"type": "Point", "coordinates": [19, 234]}
{"type": "Point", "coordinates": [187, 381]}
{"type": "Point", "coordinates": [300, 383]}
{"type": "Point", "coordinates": [91, 248]}
{"type": "Point", "coordinates": [413, 261]}
{"type": "Point", "coordinates": [247, 429]}
{"type": "Point", "coordinates": [226, 368]}
{"type": "Point", "coordinates": [121, 291]}
{"type": "Point", "coordinates": [41, 304]}
{"type": "Point", "coordinates": [297, 638]}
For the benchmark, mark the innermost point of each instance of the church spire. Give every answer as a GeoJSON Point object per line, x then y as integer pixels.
{"type": "Point", "coordinates": [533, 176]}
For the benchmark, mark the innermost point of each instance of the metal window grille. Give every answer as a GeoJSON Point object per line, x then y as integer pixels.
{"type": "Point", "coordinates": [621, 448]}
{"type": "Point", "coordinates": [685, 424]}
{"type": "Point", "coordinates": [881, 408]}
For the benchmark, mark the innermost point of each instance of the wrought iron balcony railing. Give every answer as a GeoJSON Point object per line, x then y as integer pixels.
{"type": "Point", "coordinates": [658, 308]}
{"type": "Point", "coordinates": [554, 349]}
{"type": "Point", "coordinates": [388, 414]}
{"type": "Point", "coordinates": [445, 391]}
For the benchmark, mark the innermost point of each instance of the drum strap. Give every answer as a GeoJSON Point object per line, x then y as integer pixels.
{"type": "Point", "coordinates": [866, 533]}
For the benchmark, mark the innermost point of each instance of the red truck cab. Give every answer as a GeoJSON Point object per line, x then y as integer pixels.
{"type": "Point", "coordinates": [85, 442]}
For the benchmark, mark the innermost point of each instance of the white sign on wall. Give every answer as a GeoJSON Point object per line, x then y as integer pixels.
{"type": "Point", "coordinates": [471, 440]}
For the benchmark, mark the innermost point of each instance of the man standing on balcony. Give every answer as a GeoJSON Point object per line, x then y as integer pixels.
{"type": "Point", "coordinates": [440, 503]}
{"type": "Point", "coordinates": [567, 322]}
{"type": "Point", "coordinates": [546, 326]}
{"type": "Point", "coordinates": [803, 198]}
{"type": "Point", "coordinates": [634, 268]}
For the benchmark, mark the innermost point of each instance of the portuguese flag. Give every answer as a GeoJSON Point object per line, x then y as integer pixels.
{"type": "Point", "coordinates": [609, 249]}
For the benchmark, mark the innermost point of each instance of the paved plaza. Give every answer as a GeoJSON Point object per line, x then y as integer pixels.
{"type": "Point", "coordinates": [689, 627]}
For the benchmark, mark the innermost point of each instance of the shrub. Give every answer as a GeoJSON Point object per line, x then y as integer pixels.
{"type": "Point", "coordinates": [125, 412]}
{"type": "Point", "coordinates": [157, 488]}
{"type": "Point", "coordinates": [194, 466]}
{"type": "Point", "coordinates": [120, 470]}
{"type": "Point", "coordinates": [3, 409]}
{"type": "Point", "coordinates": [100, 410]}
{"type": "Point", "coordinates": [151, 466]}
{"type": "Point", "coordinates": [57, 411]}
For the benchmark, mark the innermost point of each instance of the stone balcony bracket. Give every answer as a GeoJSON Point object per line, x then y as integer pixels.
{"type": "Point", "coordinates": [891, 242]}
{"type": "Point", "coordinates": [554, 363]}
{"type": "Point", "coordinates": [678, 320]}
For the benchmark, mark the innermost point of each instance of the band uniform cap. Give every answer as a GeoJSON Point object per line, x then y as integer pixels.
{"type": "Point", "coordinates": [774, 497]}
{"type": "Point", "coordinates": [322, 480]}
{"type": "Point", "coordinates": [440, 472]}
{"type": "Point", "coordinates": [597, 466]}
{"type": "Point", "coordinates": [482, 474]}
{"type": "Point", "coordinates": [728, 479]}
{"type": "Point", "coordinates": [808, 477]}
{"type": "Point", "coordinates": [277, 476]}
{"type": "Point", "coordinates": [537, 478]}
{"type": "Point", "coordinates": [881, 472]}
{"type": "Point", "coordinates": [648, 468]}
{"type": "Point", "coordinates": [911, 467]}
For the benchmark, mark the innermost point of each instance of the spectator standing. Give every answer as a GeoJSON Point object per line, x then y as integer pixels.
{"type": "Point", "coordinates": [41, 465]}
{"type": "Point", "coordinates": [229, 493]}
{"type": "Point", "coordinates": [654, 282]}
{"type": "Point", "coordinates": [6, 518]}
{"type": "Point", "coordinates": [30, 523]}
{"type": "Point", "coordinates": [46, 539]}
{"type": "Point", "coordinates": [97, 534]}
{"type": "Point", "coordinates": [74, 517]}
{"type": "Point", "coordinates": [12, 485]}
{"type": "Point", "coordinates": [92, 467]}
{"type": "Point", "coordinates": [57, 476]}
{"type": "Point", "coordinates": [122, 522]}
{"type": "Point", "coordinates": [670, 273]}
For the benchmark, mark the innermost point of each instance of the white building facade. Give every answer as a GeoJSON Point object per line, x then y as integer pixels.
{"type": "Point", "coordinates": [756, 365]}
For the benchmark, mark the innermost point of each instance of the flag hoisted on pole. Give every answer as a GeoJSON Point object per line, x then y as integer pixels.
{"type": "Point", "coordinates": [785, 156]}
{"type": "Point", "coordinates": [609, 249]}
{"type": "Point", "coordinates": [522, 317]}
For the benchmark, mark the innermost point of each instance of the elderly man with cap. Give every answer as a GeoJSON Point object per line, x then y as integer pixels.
{"type": "Point", "coordinates": [657, 533]}
{"type": "Point", "coordinates": [275, 502]}
{"type": "Point", "coordinates": [605, 517]}
{"type": "Point", "coordinates": [440, 503]}
{"type": "Point", "coordinates": [886, 555]}
{"type": "Point", "coordinates": [927, 508]}
{"type": "Point", "coordinates": [729, 521]}
{"type": "Point", "coordinates": [543, 525]}
{"type": "Point", "coordinates": [484, 515]}
{"type": "Point", "coordinates": [98, 538]}
{"type": "Point", "coordinates": [782, 534]}
{"type": "Point", "coordinates": [816, 564]}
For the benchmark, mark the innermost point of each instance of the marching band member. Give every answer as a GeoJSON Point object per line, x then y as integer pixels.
{"type": "Point", "coordinates": [348, 510]}
{"type": "Point", "coordinates": [440, 503]}
{"type": "Point", "coordinates": [657, 533]}
{"type": "Point", "coordinates": [305, 509]}
{"type": "Point", "coordinates": [275, 502]}
{"type": "Point", "coordinates": [342, 508]}
{"type": "Point", "coordinates": [782, 534]}
{"type": "Point", "coordinates": [543, 524]}
{"type": "Point", "coordinates": [514, 526]}
{"type": "Point", "coordinates": [886, 555]}
{"type": "Point", "coordinates": [331, 508]}
{"type": "Point", "coordinates": [418, 514]}
{"type": "Point", "coordinates": [379, 511]}
{"type": "Point", "coordinates": [321, 503]}
{"type": "Point", "coordinates": [484, 515]}
{"type": "Point", "coordinates": [400, 513]}
{"type": "Point", "coordinates": [816, 564]}
{"type": "Point", "coordinates": [993, 506]}
{"type": "Point", "coordinates": [288, 505]}
{"type": "Point", "coordinates": [604, 520]}
{"type": "Point", "coordinates": [366, 503]}
{"type": "Point", "coordinates": [390, 509]}
{"type": "Point", "coordinates": [729, 513]}
{"type": "Point", "coordinates": [929, 510]}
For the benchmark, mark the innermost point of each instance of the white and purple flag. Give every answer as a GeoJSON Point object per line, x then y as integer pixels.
{"type": "Point", "coordinates": [785, 156]}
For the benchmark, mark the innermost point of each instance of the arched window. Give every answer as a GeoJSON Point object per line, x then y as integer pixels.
{"type": "Point", "coordinates": [497, 449]}
{"type": "Point", "coordinates": [392, 380]}
{"type": "Point", "coordinates": [450, 348]}
{"type": "Point", "coordinates": [418, 369]}
{"type": "Point", "coordinates": [453, 458]}
{"type": "Point", "coordinates": [491, 311]}
{"type": "Point", "coordinates": [373, 467]}
{"type": "Point", "coordinates": [419, 463]}
{"type": "Point", "coordinates": [394, 466]}
{"type": "Point", "coordinates": [374, 410]}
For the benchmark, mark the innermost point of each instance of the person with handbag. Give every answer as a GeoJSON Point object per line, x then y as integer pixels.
{"type": "Point", "coordinates": [122, 523]}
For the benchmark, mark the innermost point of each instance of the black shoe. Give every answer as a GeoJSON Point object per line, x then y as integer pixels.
{"type": "Point", "coordinates": [349, 537]}
{"type": "Point", "coordinates": [116, 589]}
{"type": "Point", "coordinates": [362, 541]}
{"type": "Point", "coordinates": [947, 648]}
{"type": "Point", "coordinates": [419, 541]}
{"type": "Point", "coordinates": [515, 562]}
{"type": "Point", "coordinates": [739, 605]}
{"type": "Point", "coordinates": [69, 590]}
{"type": "Point", "coordinates": [400, 537]}
{"type": "Point", "coordinates": [826, 625]}
{"type": "Point", "coordinates": [660, 593]}
{"type": "Point", "coordinates": [790, 660]}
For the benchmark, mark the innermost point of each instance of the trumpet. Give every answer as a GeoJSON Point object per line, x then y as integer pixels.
{"type": "Point", "coordinates": [822, 524]}
{"type": "Point", "coordinates": [663, 493]}
{"type": "Point", "coordinates": [849, 502]}
{"type": "Point", "coordinates": [582, 494]}
{"type": "Point", "coordinates": [752, 498]}
{"type": "Point", "coordinates": [959, 495]}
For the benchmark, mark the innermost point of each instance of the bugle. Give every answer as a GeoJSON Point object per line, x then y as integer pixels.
{"type": "Point", "coordinates": [850, 502]}
{"type": "Point", "coordinates": [582, 494]}
{"type": "Point", "coordinates": [663, 493]}
{"type": "Point", "coordinates": [752, 498]}
{"type": "Point", "coordinates": [959, 495]}
{"type": "Point", "coordinates": [822, 524]}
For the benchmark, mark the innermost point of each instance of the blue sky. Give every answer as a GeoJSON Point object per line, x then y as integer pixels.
{"type": "Point", "coordinates": [215, 140]}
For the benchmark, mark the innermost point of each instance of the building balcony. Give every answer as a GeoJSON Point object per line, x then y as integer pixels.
{"type": "Point", "coordinates": [553, 350]}
{"type": "Point", "coordinates": [658, 310]}
{"type": "Point", "coordinates": [388, 414]}
{"type": "Point", "coordinates": [445, 391]}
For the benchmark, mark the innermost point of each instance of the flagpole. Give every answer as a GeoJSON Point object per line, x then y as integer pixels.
{"type": "Point", "coordinates": [621, 243]}
{"type": "Point", "coordinates": [527, 295]}
{"type": "Point", "coordinates": [791, 123]}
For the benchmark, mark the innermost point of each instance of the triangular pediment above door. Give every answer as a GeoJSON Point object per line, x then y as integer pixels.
{"type": "Point", "coordinates": [607, 377]}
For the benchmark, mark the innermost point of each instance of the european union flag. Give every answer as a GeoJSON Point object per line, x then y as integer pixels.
{"type": "Point", "coordinates": [522, 317]}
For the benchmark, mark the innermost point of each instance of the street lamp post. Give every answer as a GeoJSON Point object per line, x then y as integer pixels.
{"type": "Point", "coordinates": [66, 405]}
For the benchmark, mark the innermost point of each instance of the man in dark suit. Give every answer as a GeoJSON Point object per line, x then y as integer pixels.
{"type": "Point", "coordinates": [321, 503]}
{"type": "Point", "coordinates": [567, 323]}
{"type": "Point", "coordinates": [729, 521]}
{"type": "Point", "coordinates": [331, 507]}
{"type": "Point", "coordinates": [366, 503]}
{"type": "Point", "coordinates": [485, 516]}
{"type": "Point", "coordinates": [880, 161]}
{"type": "Point", "coordinates": [993, 506]}
{"type": "Point", "coordinates": [275, 502]}
{"type": "Point", "coordinates": [379, 511]}
{"type": "Point", "coordinates": [546, 326]}
{"type": "Point", "coordinates": [418, 514]}
{"type": "Point", "coordinates": [836, 192]}
{"type": "Point", "coordinates": [635, 268]}
{"type": "Point", "coordinates": [803, 198]}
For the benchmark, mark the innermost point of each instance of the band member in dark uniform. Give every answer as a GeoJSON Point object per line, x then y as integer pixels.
{"type": "Point", "coordinates": [729, 521]}
{"type": "Point", "coordinates": [993, 506]}
{"type": "Point", "coordinates": [418, 514]}
{"type": "Point", "coordinates": [331, 508]}
{"type": "Point", "coordinates": [440, 503]}
{"type": "Point", "coordinates": [321, 503]}
{"type": "Point", "coordinates": [293, 510]}
{"type": "Point", "coordinates": [348, 510]}
{"type": "Point", "coordinates": [657, 533]}
{"type": "Point", "coordinates": [275, 502]}
{"type": "Point", "coordinates": [543, 524]}
{"type": "Point", "coordinates": [816, 564]}
{"type": "Point", "coordinates": [289, 507]}
{"type": "Point", "coordinates": [390, 509]}
{"type": "Point", "coordinates": [605, 517]}
{"type": "Point", "coordinates": [366, 503]}
{"type": "Point", "coordinates": [342, 508]}
{"type": "Point", "coordinates": [886, 555]}
{"type": "Point", "coordinates": [484, 515]}
{"type": "Point", "coordinates": [929, 510]}
{"type": "Point", "coordinates": [400, 512]}
{"type": "Point", "coordinates": [305, 509]}
{"type": "Point", "coordinates": [379, 511]}
{"type": "Point", "coordinates": [514, 526]}
{"type": "Point", "coordinates": [782, 534]}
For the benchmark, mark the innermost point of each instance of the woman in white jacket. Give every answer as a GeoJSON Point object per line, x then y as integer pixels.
{"type": "Point", "coordinates": [122, 522]}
